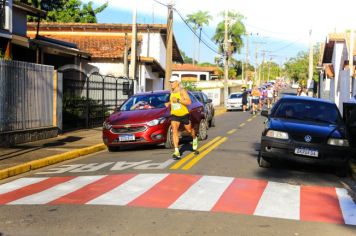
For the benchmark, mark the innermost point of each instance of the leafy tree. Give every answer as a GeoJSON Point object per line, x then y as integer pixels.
{"type": "Point", "coordinates": [269, 71]}
{"type": "Point", "coordinates": [190, 86]}
{"type": "Point", "coordinates": [67, 10]}
{"type": "Point", "coordinates": [297, 68]}
{"type": "Point", "coordinates": [187, 59]}
{"type": "Point", "coordinates": [199, 19]}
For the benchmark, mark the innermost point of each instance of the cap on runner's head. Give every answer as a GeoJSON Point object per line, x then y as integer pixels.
{"type": "Point", "coordinates": [174, 78]}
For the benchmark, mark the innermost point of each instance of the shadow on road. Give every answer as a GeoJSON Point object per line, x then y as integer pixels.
{"type": "Point", "coordinates": [292, 170]}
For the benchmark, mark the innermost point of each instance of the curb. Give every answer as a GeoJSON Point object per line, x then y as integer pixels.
{"type": "Point", "coordinates": [32, 165]}
{"type": "Point", "coordinates": [219, 111]}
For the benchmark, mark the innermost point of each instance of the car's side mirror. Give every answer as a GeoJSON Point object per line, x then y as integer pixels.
{"type": "Point", "coordinates": [209, 100]}
{"type": "Point", "coordinates": [264, 113]}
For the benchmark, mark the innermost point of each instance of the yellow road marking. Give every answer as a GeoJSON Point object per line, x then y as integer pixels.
{"type": "Point", "coordinates": [232, 131]}
{"type": "Point", "coordinates": [203, 154]}
{"type": "Point", "coordinates": [249, 120]}
{"type": "Point", "coordinates": [191, 155]}
{"type": "Point", "coordinates": [242, 124]}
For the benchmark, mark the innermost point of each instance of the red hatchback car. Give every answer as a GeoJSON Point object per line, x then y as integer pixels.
{"type": "Point", "coordinates": [144, 119]}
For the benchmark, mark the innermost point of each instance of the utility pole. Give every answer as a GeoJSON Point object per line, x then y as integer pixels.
{"type": "Point", "coordinates": [256, 62]}
{"type": "Point", "coordinates": [262, 65]}
{"type": "Point", "coordinates": [310, 74]}
{"type": "Point", "coordinates": [226, 57]}
{"type": "Point", "coordinates": [269, 66]}
{"type": "Point", "coordinates": [247, 53]}
{"type": "Point", "coordinates": [169, 43]}
{"type": "Point", "coordinates": [351, 63]}
{"type": "Point", "coordinates": [126, 52]}
{"type": "Point", "coordinates": [133, 49]}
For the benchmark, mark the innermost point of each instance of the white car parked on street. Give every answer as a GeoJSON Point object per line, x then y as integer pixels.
{"type": "Point", "coordinates": [234, 102]}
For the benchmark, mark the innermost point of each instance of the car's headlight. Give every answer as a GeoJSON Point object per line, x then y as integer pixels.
{"type": "Point", "coordinates": [277, 134]}
{"type": "Point", "coordinates": [338, 142]}
{"type": "Point", "coordinates": [107, 125]}
{"type": "Point", "coordinates": [156, 121]}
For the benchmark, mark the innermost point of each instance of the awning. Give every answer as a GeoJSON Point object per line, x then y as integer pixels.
{"type": "Point", "coordinates": [20, 40]}
{"type": "Point", "coordinates": [59, 49]}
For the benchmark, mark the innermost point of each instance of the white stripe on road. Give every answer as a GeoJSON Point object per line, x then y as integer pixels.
{"type": "Point", "coordinates": [279, 200]}
{"type": "Point", "coordinates": [347, 205]}
{"type": "Point", "coordinates": [129, 190]}
{"type": "Point", "coordinates": [203, 195]}
{"type": "Point", "coordinates": [58, 190]}
{"type": "Point", "coordinates": [19, 183]}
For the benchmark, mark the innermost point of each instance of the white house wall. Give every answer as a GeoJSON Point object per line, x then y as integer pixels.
{"type": "Point", "coordinates": [214, 94]}
{"type": "Point", "coordinates": [337, 62]}
{"type": "Point", "coordinates": [149, 80]}
{"type": "Point", "coordinates": [157, 48]}
{"type": "Point", "coordinates": [181, 73]}
{"type": "Point", "coordinates": [115, 68]}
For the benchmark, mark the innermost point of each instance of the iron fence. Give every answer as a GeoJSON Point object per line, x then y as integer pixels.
{"type": "Point", "coordinates": [89, 99]}
{"type": "Point", "coordinates": [26, 96]}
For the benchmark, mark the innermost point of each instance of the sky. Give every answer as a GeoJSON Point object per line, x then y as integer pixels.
{"type": "Point", "coordinates": [279, 27]}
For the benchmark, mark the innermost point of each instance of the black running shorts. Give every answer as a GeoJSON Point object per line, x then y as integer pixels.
{"type": "Point", "coordinates": [181, 119]}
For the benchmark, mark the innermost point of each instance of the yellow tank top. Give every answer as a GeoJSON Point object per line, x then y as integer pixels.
{"type": "Point", "coordinates": [178, 109]}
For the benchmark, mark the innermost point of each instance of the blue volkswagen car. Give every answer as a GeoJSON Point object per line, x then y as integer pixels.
{"type": "Point", "coordinates": [307, 130]}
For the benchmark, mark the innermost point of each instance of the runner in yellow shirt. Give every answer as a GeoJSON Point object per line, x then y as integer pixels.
{"type": "Point", "coordinates": [178, 101]}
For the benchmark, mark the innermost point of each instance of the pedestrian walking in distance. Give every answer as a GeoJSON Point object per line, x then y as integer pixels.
{"type": "Point", "coordinates": [178, 101]}
{"type": "Point", "coordinates": [244, 99]}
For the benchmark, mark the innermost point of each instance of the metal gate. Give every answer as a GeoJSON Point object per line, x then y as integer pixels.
{"type": "Point", "coordinates": [89, 99]}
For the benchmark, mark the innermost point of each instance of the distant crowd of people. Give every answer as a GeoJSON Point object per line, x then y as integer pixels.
{"type": "Point", "coordinates": [266, 94]}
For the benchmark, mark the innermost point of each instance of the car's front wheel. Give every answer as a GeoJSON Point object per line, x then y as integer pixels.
{"type": "Point", "coordinates": [212, 122]}
{"type": "Point", "coordinates": [263, 162]}
{"type": "Point", "coordinates": [342, 171]}
{"type": "Point", "coordinates": [203, 130]}
{"type": "Point", "coordinates": [169, 140]}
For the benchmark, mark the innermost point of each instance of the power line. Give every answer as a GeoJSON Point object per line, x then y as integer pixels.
{"type": "Point", "coordinates": [191, 29]}
{"type": "Point", "coordinates": [288, 45]}
{"type": "Point", "coordinates": [195, 33]}
{"type": "Point", "coordinates": [166, 5]}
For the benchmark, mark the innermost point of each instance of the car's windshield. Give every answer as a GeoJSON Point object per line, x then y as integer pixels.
{"type": "Point", "coordinates": [309, 111]}
{"type": "Point", "coordinates": [235, 95]}
{"type": "Point", "coordinates": [196, 95]}
{"type": "Point", "coordinates": [145, 101]}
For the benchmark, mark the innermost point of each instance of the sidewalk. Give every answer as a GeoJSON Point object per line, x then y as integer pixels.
{"type": "Point", "coordinates": [28, 156]}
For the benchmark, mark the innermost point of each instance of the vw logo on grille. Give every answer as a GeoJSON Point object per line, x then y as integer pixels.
{"type": "Point", "coordinates": [308, 138]}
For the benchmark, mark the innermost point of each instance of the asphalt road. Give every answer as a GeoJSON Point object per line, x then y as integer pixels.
{"type": "Point", "coordinates": [142, 191]}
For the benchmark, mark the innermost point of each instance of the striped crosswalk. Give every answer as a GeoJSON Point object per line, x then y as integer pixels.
{"type": "Point", "coordinates": [188, 192]}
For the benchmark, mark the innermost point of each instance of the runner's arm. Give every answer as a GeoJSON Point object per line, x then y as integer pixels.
{"type": "Point", "coordinates": [185, 99]}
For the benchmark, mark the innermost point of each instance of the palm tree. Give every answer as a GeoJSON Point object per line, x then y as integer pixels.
{"type": "Point", "coordinates": [198, 19]}
{"type": "Point", "coordinates": [235, 32]}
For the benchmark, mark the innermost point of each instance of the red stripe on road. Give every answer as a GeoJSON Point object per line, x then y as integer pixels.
{"type": "Point", "coordinates": [166, 192]}
{"type": "Point", "coordinates": [32, 189]}
{"type": "Point", "coordinates": [241, 196]}
{"type": "Point", "coordinates": [320, 204]}
{"type": "Point", "coordinates": [93, 190]}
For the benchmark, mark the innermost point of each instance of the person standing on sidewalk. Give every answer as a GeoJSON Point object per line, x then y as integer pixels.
{"type": "Point", "coordinates": [178, 101]}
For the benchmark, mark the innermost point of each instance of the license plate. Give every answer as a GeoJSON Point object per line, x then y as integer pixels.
{"type": "Point", "coordinates": [126, 137]}
{"type": "Point", "coordinates": [306, 152]}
